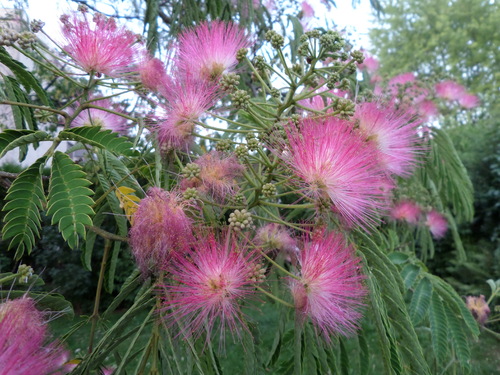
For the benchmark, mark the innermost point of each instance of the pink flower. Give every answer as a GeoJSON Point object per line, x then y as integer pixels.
{"type": "Point", "coordinates": [370, 64]}
{"type": "Point", "coordinates": [406, 210]}
{"type": "Point", "coordinates": [160, 228]}
{"type": "Point", "coordinates": [104, 119]}
{"type": "Point", "coordinates": [209, 50]}
{"type": "Point", "coordinates": [392, 134]}
{"type": "Point", "coordinates": [218, 173]}
{"type": "Point", "coordinates": [479, 308]}
{"type": "Point", "coordinates": [427, 109]}
{"type": "Point", "coordinates": [449, 90]}
{"type": "Point", "coordinates": [152, 73]}
{"type": "Point", "coordinates": [401, 79]}
{"type": "Point", "coordinates": [275, 237]}
{"type": "Point", "coordinates": [468, 101]}
{"type": "Point", "coordinates": [99, 46]}
{"type": "Point", "coordinates": [330, 290]}
{"type": "Point", "coordinates": [210, 284]}
{"type": "Point", "coordinates": [307, 10]}
{"type": "Point", "coordinates": [23, 348]}
{"type": "Point", "coordinates": [186, 101]}
{"type": "Point", "coordinates": [336, 163]}
{"type": "Point", "coordinates": [437, 223]}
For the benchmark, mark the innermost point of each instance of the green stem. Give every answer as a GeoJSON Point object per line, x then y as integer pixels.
{"type": "Point", "coordinates": [277, 265]}
{"type": "Point", "coordinates": [41, 107]}
{"type": "Point", "coordinates": [95, 314]}
{"type": "Point", "coordinates": [8, 278]}
{"type": "Point", "coordinates": [290, 206]}
{"type": "Point", "coordinates": [277, 299]}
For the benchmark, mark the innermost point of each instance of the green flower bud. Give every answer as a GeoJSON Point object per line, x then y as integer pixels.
{"type": "Point", "coordinates": [240, 99]}
{"type": "Point", "coordinates": [242, 52]}
{"type": "Point", "coordinates": [191, 194]}
{"type": "Point", "coordinates": [191, 170]}
{"type": "Point", "coordinates": [240, 220]}
{"type": "Point", "coordinates": [252, 144]}
{"type": "Point", "coordinates": [241, 151]}
{"type": "Point", "coordinates": [223, 145]}
{"type": "Point", "coordinates": [268, 190]}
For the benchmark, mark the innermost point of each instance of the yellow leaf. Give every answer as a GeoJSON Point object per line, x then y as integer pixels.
{"type": "Point", "coordinates": [128, 201]}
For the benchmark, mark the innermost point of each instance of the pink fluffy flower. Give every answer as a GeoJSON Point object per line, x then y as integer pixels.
{"type": "Point", "coordinates": [99, 46]}
{"type": "Point", "coordinates": [152, 73]}
{"type": "Point", "coordinates": [275, 237]}
{"type": "Point", "coordinates": [23, 345]}
{"type": "Point", "coordinates": [330, 290]}
{"type": "Point", "coordinates": [402, 79]}
{"type": "Point", "coordinates": [210, 284]}
{"type": "Point", "coordinates": [392, 134]}
{"type": "Point", "coordinates": [218, 173]}
{"type": "Point", "coordinates": [468, 101]}
{"type": "Point", "coordinates": [186, 101]}
{"type": "Point", "coordinates": [479, 308]}
{"type": "Point", "coordinates": [104, 119]}
{"type": "Point", "coordinates": [338, 164]}
{"type": "Point", "coordinates": [209, 50]}
{"type": "Point", "coordinates": [406, 210]}
{"type": "Point", "coordinates": [160, 228]}
{"type": "Point", "coordinates": [437, 223]}
{"type": "Point", "coordinates": [370, 64]}
{"type": "Point", "coordinates": [449, 90]}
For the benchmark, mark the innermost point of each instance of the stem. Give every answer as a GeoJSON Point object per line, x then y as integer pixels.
{"type": "Point", "coordinates": [95, 314]}
{"type": "Point", "coordinates": [41, 107]}
{"type": "Point", "coordinates": [274, 297]}
{"type": "Point", "coordinates": [291, 206]}
{"type": "Point", "coordinates": [8, 278]}
{"type": "Point", "coordinates": [277, 265]}
{"type": "Point", "coordinates": [106, 235]}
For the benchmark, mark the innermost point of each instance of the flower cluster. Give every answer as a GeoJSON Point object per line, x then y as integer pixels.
{"type": "Point", "coordinates": [24, 348]}
{"type": "Point", "coordinates": [412, 213]}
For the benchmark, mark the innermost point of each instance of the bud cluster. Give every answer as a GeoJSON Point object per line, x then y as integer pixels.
{"type": "Point", "coordinates": [191, 170]}
{"type": "Point", "coordinates": [223, 145]}
{"type": "Point", "coordinates": [268, 190]}
{"type": "Point", "coordinates": [276, 40]}
{"type": "Point", "coordinates": [240, 99]}
{"type": "Point", "coordinates": [241, 151]}
{"type": "Point", "coordinates": [240, 219]}
{"type": "Point", "coordinates": [229, 82]}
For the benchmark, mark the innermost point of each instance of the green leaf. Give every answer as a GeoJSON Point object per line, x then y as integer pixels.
{"type": "Point", "coordinates": [459, 338]}
{"type": "Point", "coordinates": [420, 300]}
{"type": "Point", "coordinates": [439, 327]}
{"type": "Point", "coordinates": [25, 198]}
{"type": "Point", "coordinates": [397, 257]}
{"type": "Point", "coordinates": [11, 138]}
{"type": "Point", "coordinates": [26, 78]}
{"type": "Point", "coordinates": [69, 199]}
{"type": "Point", "coordinates": [104, 139]}
{"type": "Point", "coordinates": [44, 301]}
{"type": "Point", "coordinates": [409, 274]}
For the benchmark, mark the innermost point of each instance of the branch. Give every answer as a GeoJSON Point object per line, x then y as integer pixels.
{"type": "Point", "coordinates": [105, 234]}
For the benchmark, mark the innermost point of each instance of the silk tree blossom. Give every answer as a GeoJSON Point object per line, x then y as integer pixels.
{"type": "Point", "coordinates": [209, 50]}
{"type": "Point", "coordinates": [336, 163]}
{"type": "Point", "coordinates": [453, 91]}
{"type": "Point", "coordinates": [330, 288]}
{"type": "Point", "coordinates": [152, 73]}
{"type": "Point", "coordinates": [275, 237]}
{"type": "Point", "coordinates": [186, 100]}
{"type": "Point", "coordinates": [102, 118]}
{"type": "Point", "coordinates": [210, 283]}
{"type": "Point", "coordinates": [217, 176]}
{"type": "Point", "coordinates": [468, 101]}
{"type": "Point", "coordinates": [479, 308]}
{"type": "Point", "coordinates": [24, 347]}
{"type": "Point", "coordinates": [393, 135]}
{"type": "Point", "coordinates": [99, 46]}
{"type": "Point", "coordinates": [160, 228]}
{"type": "Point", "coordinates": [406, 210]}
{"type": "Point", "coordinates": [437, 224]}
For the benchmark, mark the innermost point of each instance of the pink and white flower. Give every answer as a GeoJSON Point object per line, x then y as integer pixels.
{"type": "Point", "coordinates": [99, 46]}
{"type": "Point", "coordinates": [336, 163]}
{"type": "Point", "coordinates": [210, 284]}
{"type": "Point", "coordinates": [437, 223]}
{"type": "Point", "coordinates": [406, 210]}
{"type": "Point", "coordinates": [160, 228]}
{"type": "Point", "coordinates": [393, 135]}
{"type": "Point", "coordinates": [330, 288]}
{"type": "Point", "coordinates": [209, 50]}
{"type": "Point", "coordinates": [102, 118]}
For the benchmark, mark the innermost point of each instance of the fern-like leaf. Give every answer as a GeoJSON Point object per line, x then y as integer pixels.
{"type": "Point", "coordinates": [69, 199]}
{"type": "Point", "coordinates": [12, 138]}
{"type": "Point", "coordinates": [459, 337]}
{"type": "Point", "coordinates": [439, 327]}
{"type": "Point", "coordinates": [421, 300]}
{"type": "Point", "coordinates": [25, 198]}
{"type": "Point", "coordinates": [95, 136]}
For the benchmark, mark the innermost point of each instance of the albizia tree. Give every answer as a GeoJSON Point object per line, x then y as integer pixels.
{"type": "Point", "coordinates": [271, 204]}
